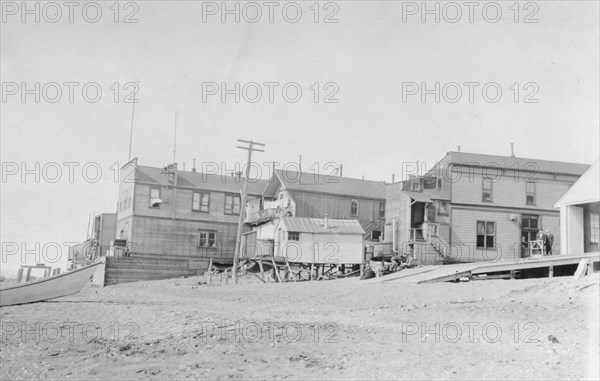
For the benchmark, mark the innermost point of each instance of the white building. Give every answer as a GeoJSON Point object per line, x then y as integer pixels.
{"type": "Point", "coordinates": [580, 214]}
{"type": "Point", "coordinates": [308, 240]}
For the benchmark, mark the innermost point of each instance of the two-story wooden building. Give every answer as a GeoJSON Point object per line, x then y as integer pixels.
{"type": "Point", "coordinates": [311, 195]}
{"type": "Point", "coordinates": [474, 207]}
{"type": "Point", "coordinates": [167, 212]}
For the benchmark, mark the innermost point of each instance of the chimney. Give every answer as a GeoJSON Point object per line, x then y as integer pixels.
{"type": "Point", "coordinates": [183, 166]}
{"type": "Point", "coordinates": [512, 149]}
{"type": "Point", "coordinates": [194, 167]}
{"type": "Point", "coordinates": [393, 178]}
{"type": "Point", "coordinates": [341, 170]}
{"type": "Point", "coordinates": [458, 148]}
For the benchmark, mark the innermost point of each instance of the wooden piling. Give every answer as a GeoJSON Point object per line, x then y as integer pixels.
{"type": "Point", "coordinates": [290, 270]}
{"type": "Point", "coordinates": [276, 269]}
{"type": "Point", "coordinates": [262, 270]}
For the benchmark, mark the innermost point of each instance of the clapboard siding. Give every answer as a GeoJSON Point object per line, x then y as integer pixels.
{"type": "Point", "coordinates": [508, 234]}
{"type": "Point", "coordinates": [323, 248]}
{"type": "Point", "coordinates": [179, 205]}
{"type": "Point", "coordinates": [317, 205]}
{"type": "Point", "coordinates": [507, 190]}
{"type": "Point", "coordinates": [180, 237]}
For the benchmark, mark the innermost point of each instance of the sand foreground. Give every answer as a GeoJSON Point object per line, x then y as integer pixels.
{"type": "Point", "coordinates": [342, 329]}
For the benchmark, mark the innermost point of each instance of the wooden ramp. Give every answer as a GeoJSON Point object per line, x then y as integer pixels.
{"type": "Point", "coordinates": [444, 273]}
{"type": "Point", "coordinates": [427, 273]}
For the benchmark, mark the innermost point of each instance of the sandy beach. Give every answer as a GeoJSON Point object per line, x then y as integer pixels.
{"type": "Point", "coordinates": [342, 329]}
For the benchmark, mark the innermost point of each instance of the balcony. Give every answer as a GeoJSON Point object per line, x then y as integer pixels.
{"type": "Point", "coordinates": [271, 209]}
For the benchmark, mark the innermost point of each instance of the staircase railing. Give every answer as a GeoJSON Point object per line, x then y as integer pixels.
{"type": "Point", "coordinates": [430, 234]}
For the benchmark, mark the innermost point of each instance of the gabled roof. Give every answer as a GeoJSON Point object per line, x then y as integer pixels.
{"type": "Point", "coordinates": [585, 190]}
{"type": "Point", "coordinates": [311, 182]}
{"type": "Point", "coordinates": [317, 225]}
{"type": "Point", "coordinates": [188, 179]}
{"type": "Point", "coordinates": [547, 166]}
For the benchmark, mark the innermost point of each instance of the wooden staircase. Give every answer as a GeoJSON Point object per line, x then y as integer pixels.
{"type": "Point", "coordinates": [426, 254]}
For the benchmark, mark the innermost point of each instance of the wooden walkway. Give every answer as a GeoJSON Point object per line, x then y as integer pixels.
{"type": "Point", "coordinates": [444, 273]}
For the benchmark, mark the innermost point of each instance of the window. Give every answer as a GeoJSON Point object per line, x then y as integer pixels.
{"type": "Point", "coordinates": [430, 208]}
{"type": "Point", "coordinates": [381, 209]}
{"type": "Point", "coordinates": [155, 198]}
{"type": "Point", "coordinates": [207, 239]}
{"type": "Point", "coordinates": [530, 222]}
{"type": "Point", "coordinates": [415, 187]}
{"type": "Point", "coordinates": [200, 202]}
{"type": "Point", "coordinates": [443, 208]}
{"type": "Point", "coordinates": [293, 236]}
{"type": "Point", "coordinates": [353, 208]}
{"type": "Point", "coordinates": [486, 190]}
{"type": "Point", "coordinates": [486, 235]}
{"type": "Point", "coordinates": [232, 204]}
{"type": "Point", "coordinates": [375, 235]}
{"type": "Point", "coordinates": [530, 193]}
{"type": "Point", "coordinates": [595, 228]}
{"type": "Point", "coordinates": [429, 182]}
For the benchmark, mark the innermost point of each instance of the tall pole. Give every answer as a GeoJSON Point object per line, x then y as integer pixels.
{"type": "Point", "coordinates": [131, 129]}
{"type": "Point", "coordinates": [175, 139]}
{"type": "Point", "coordinates": [238, 240]}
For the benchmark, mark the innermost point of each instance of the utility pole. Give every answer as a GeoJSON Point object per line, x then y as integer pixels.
{"type": "Point", "coordinates": [238, 241]}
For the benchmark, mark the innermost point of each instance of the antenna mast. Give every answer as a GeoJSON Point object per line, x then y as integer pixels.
{"type": "Point", "coordinates": [175, 139]}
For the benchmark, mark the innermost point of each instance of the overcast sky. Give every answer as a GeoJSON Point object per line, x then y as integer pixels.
{"type": "Point", "coordinates": [368, 59]}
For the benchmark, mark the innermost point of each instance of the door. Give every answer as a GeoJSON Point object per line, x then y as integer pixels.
{"type": "Point", "coordinates": [530, 226]}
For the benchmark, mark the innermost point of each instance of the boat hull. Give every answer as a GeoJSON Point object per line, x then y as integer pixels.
{"type": "Point", "coordinates": [52, 287]}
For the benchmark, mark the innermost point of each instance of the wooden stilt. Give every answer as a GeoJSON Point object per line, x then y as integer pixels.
{"type": "Point", "coordinates": [290, 270]}
{"type": "Point", "coordinates": [210, 272]}
{"type": "Point", "coordinates": [582, 269]}
{"type": "Point", "coordinates": [551, 272]}
{"type": "Point", "coordinates": [312, 268]}
{"type": "Point", "coordinates": [20, 276]}
{"type": "Point", "coordinates": [276, 269]}
{"type": "Point", "coordinates": [262, 270]}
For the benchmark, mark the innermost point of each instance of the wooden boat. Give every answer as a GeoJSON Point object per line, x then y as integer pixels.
{"type": "Point", "coordinates": [70, 282]}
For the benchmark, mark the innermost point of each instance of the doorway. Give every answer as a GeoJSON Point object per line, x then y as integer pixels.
{"type": "Point", "coordinates": [530, 226]}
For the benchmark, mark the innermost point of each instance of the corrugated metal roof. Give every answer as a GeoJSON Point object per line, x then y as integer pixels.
{"type": "Point", "coordinates": [547, 166]}
{"type": "Point", "coordinates": [319, 183]}
{"type": "Point", "coordinates": [229, 184]}
{"type": "Point", "coordinates": [317, 225]}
